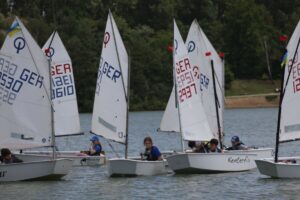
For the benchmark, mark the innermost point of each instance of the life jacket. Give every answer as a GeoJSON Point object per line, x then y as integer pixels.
{"type": "Point", "coordinates": [238, 146]}
{"type": "Point", "coordinates": [149, 155]}
{"type": "Point", "coordinates": [207, 149]}
{"type": "Point", "coordinates": [97, 153]}
{"type": "Point", "coordinates": [13, 159]}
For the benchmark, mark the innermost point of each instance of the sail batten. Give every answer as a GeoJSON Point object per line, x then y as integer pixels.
{"type": "Point", "coordinates": [111, 97]}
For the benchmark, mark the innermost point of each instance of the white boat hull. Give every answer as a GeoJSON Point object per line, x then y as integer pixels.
{"type": "Point", "coordinates": [260, 152]}
{"type": "Point", "coordinates": [38, 170]}
{"type": "Point", "coordinates": [206, 163]}
{"type": "Point", "coordinates": [280, 169]}
{"type": "Point", "coordinates": [136, 167]}
{"type": "Point", "coordinates": [79, 159]}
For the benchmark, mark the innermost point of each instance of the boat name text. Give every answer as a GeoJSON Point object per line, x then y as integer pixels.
{"type": "Point", "coordinates": [238, 159]}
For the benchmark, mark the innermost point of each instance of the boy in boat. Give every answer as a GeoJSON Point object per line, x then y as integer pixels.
{"type": "Point", "coordinates": [197, 146]}
{"type": "Point", "coordinates": [237, 144]}
{"type": "Point", "coordinates": [152, 153]}
{"type": "Point", "coordinates": [7, 158]}
{"type": "Point", "coordinates": [212, 146]}
{"type": "Point", "coordinates": [95, 148]}
{"type": "Point", "coordinates": [207, 147]}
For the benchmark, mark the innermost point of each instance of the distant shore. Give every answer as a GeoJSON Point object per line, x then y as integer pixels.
{"type": "Point", "coordinates": [252, 101]}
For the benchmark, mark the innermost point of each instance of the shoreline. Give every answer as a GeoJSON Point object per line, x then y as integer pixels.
{"type": "Point", "coordinates": [252, 101]}
{"type": "Point", "coordinates": [268, 100]}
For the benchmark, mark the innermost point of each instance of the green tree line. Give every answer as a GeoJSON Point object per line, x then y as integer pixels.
{"type": "Point", "coordinates": [240, 28]}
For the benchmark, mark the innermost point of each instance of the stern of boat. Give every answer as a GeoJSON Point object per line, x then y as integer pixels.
{"type": "Point", "coordinates": [135, 167]}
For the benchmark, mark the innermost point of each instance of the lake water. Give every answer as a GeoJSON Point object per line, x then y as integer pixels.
{"type": "Point", "coordinates": [256, 127]}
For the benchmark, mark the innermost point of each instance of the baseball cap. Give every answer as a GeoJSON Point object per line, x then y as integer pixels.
{"type": "Point", "coordinates": [94, 138]}
{"type": "Point", "coordinates": [235, 139]}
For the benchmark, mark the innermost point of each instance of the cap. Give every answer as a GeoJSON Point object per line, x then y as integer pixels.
{"type": "Point", "coordinates": [235, 139]}
{"type": "Point", "coordinates": [94, 138]}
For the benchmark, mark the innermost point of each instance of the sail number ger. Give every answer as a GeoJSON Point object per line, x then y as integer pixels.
{"type": "Point", "coordinates": [62, 81]}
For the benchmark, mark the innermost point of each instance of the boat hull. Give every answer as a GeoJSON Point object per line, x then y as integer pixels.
{"type": "Point", "coordinates": [260, 152]}
{"type": "Point", "coordinates": [280, 169]}
{"type": "Point", "coordinates": [78, 158]}
{"type": "Point", "coordinates": [136, 167]}
{"type": "Point", "coordinates": [207, 163]}
{"type": "Point", "coordinates": [38, 170]}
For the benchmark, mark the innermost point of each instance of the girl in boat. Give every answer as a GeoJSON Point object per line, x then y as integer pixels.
{"type": "Point", "coordinates": [7, 157]}
{"type": "Point", "coordinates": [95, 148]}
{"type": "Point", "coordinates": [152, 153]}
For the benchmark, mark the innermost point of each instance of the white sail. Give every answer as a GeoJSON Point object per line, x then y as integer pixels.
{"type": "Point", "coordinates": [110, 104]}
{"type": "Point", "coordinates": [290, 120]}
{"type": "Point", "coordinates": [66, 116]}
{"type": "Point", "coordinates": [170, 119]}
{"type": "Point", "coordinates": [201, 53]}
{"type": "Point", "coordinates": [25, 105]}
{"type": "Point", "coordinates": [194, 124]}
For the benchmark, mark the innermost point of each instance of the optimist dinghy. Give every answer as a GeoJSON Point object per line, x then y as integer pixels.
{"type": "Point", "coordinates": [194, 123]}
{"type": "Point", "coordinates": [203, 54]}
{"type": "Point", "coordinates": [79, 159]}
{"type": "Point", "coordinates": [64, 101]}
{"type": "Point", "coordinates": [288, 124]}
{"type": "Point", "coordinates": [111, 105]}
{"type": "Point", "coordinates": [25, 107]}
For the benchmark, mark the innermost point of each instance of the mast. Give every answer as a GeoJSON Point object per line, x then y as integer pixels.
{"type": "Point", "coordinates": [279, 115]}
{"type": "Point", "coordinates": [51, 103]}
{"type": "Point", "coordinates": [127, 114]}
{"type": "Point", "coordinates": [177, 105]}
{"type": "Point", "coordinates": [175, 84]}
{"type": "Point", "coordinates": [52, 114]}
{"type": "Point", "coordinates": [123, 83]}
{"type": "Point", "coordinates": [216, 103]}
{"type": "Point", "coordinates": [176, 96]}
{"type": "Point", "coordinates": [282, 92]}
{"type": "Point", "coordinates": [223, 96]}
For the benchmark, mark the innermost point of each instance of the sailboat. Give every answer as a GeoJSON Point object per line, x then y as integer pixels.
{"type": "Point", "coordinates": [111, 105]}
{"type": "Point", "coordinates": [26, 117]}
{"type": "Point", "coordinates": [66, 115]}
{"type": "Point", "coordinates": [194, 123]}
{"type": "Point", "coordinates": [288, 128]}
{"type": "Point", "coordinates": [198, 47]}
{"type": "Point", "coordinates": [211, 57]}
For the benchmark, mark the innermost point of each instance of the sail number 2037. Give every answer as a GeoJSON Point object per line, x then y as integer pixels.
{"type": "Point", "coordinates": [186, 86]}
